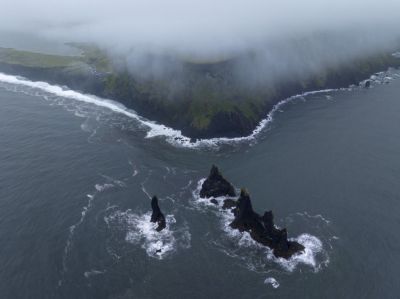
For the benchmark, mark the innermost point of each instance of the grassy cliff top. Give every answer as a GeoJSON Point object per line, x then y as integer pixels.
{"type": "Point", "coordinates": [90, 55]}
{"type": "Point", "coordinates": [94, 56]}
{"type": "Point", "coordinates": [33, 59]}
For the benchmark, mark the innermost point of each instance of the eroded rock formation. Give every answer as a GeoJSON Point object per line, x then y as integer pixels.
{"type": "Point", "coordinates": [261, 228]}
{"type": "Point", "coordinates": [157, 216]}
{"type": "Point", "coordinates": [216, 185]}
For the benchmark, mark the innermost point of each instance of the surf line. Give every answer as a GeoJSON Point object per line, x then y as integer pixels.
{"type": "Point", "coordinates": [174, 137]}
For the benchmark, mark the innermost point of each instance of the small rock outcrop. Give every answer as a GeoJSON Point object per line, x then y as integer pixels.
{"type": "Point", "coordinates": [367, 84]}
{"type": "Point", "coordinates": [216, 185]}
{"type": "Point", "coordinates": [261, 228]}
{"type": "Point", "coordinates": [157, 216]}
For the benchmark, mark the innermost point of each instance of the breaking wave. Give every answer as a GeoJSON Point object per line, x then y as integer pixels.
{"type": "Point", "coordinates": [140, 231]}
{"type": "Point", "coordinates": [172, 136]}
{"type": "Point", "coordinates": [272, 281]}
{"type": "Point", "coordinates": [241, 245]}
{"type": "Point", "coordinates": [154, 129]}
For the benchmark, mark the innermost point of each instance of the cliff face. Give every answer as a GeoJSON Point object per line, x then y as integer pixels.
{"type": "Point", "coordinates": [208, 103]}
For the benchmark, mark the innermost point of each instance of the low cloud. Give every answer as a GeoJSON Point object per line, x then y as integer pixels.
{"type": "Point", "coordinates": [273, 37]}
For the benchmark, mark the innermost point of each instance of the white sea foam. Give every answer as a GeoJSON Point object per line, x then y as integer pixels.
{"type": "Point", "coordinates": [174, 137]}
{"type": "Point", "coordinates": [140, 231]}
{"type": "Point", "coordinates": [144, 190]}
{"type": "Point", "coordinates": [85, 209]}
{"type": "Point", "coordinates": [313, 246]}
{"type": "Point", "coordinates": [103, 187]}
{"type": "Point", "coordinates": [396, 54]}
{"type": "Point", "coordinates": [93, 272]}
{"type": "Point", "coordinates": [79, 114]}
{"type": "Point", "coordinates": [86, 127]}
{"type": "Point", "coordinates": [72, 229]}
{"type": "Point", "coordinates": [135, 170]}
{"type": "Point", "coordinates": [272, 281]}
{"type": "Point", "coordinates": [142, 185]}
{"type": "Point", "coordinates": [317, 216]}
{"type": "Point", "coordinates": [113, 181]}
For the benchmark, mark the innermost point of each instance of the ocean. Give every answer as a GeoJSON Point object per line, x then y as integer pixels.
{"type": "Point", "coordinates": [77, 174]}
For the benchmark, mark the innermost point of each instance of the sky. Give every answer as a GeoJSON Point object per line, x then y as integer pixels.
{"type": "Point", "coordinates": [298, 34]}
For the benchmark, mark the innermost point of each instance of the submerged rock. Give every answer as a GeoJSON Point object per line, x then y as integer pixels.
{"type": "Point", "coordinates": [261, 228]}
{"type": "Point", "coordinates": [157, 216]}
{"type": "Point", "coordinates": [216, 185]}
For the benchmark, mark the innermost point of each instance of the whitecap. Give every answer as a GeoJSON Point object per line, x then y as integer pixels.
{"type": "Point", "coordinates": [135, 170]}
{"type": "Point", "coordinates": [113, 181]}
{"type": "Point", "coordinates": [317, 216]}
{"type": "Point", "coordinates": [396, 54]}
{"type": "Point", "coordinates": [172, 136]}
{"type": "Point", "coordinates": [154, 129]}
{"type": "Point", "coordinates": [313, 246]}
{"type": "Point", "coordinates": [93, 272]}
{"type": "Point", "coordinates": [140, 231]}
{"type": "Point", "coordinates": [103, 187]}
{"type": "Point", "coordinates": [79, 114]}
{"type": "Point", "coordinates": [272, 281]}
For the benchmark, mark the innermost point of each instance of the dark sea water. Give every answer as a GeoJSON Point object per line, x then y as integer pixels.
{"type": "Point", "coordinates": [75, 181]}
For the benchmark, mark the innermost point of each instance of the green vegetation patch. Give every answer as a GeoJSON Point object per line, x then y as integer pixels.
{"type": "Point", "coordinates": [33, 59]}
{"type": "Point", "coordinates": [94, 56]}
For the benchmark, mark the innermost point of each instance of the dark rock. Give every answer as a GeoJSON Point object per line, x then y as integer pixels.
{"type": "Point", "coordinates": [367, 84]}
{"type": "Point", "coordinates": [216, 185]}
{"type": "Point", "coordinates": [262, 229]}
{"type": "Point", "coordinates": [229, 204]}
{"type": "Point", "coordinates": [157, 216]}
{"type": "Point", "coordinates": [214, 201]}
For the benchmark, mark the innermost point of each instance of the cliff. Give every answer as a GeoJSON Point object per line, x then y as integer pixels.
{"type": "Point", "coordinates": [208, 102]}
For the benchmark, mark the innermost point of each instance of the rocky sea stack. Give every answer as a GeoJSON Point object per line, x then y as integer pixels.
{"type": "Point", "coordinates": [216, 185]}
{"type": "Point", "coordinates": [157, 216]}
{"type": "Point", "coordinates": [261, 228]}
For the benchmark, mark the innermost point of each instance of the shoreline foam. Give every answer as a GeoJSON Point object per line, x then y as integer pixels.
{"type": "Point", "coordinates": [172, 136]}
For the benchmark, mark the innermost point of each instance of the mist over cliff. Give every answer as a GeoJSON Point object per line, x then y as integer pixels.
{"type": "Point", "coordinates": [264, 40]}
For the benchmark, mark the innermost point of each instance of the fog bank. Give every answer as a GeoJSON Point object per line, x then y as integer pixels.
{"type": "Point", "coordinates": [274, 38]}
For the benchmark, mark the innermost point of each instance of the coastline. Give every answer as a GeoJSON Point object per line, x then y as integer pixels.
{"type": "Point", "coordinates": [172, 136]}
{"type": "Point", "coordinates": [226, 125]}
